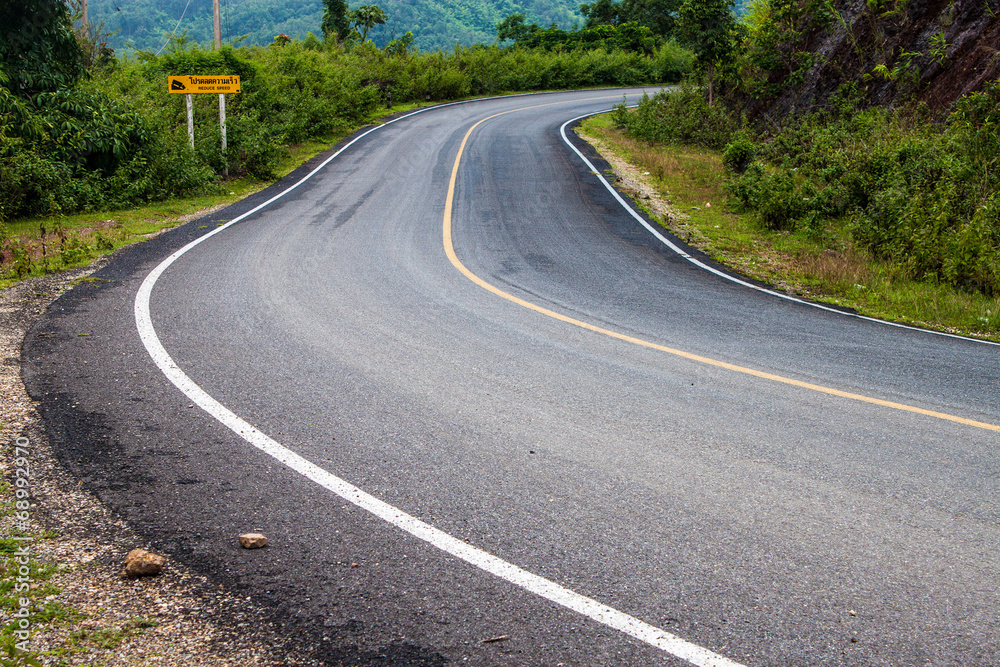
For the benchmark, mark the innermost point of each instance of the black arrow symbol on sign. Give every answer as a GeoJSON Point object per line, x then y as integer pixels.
{"type": "Point", "coordinates": [177, 85]}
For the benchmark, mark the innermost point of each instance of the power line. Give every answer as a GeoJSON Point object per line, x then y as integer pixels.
{"type": "Point", "coordinates": [175, 27]}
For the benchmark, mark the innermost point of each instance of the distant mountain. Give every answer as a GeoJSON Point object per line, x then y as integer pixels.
{"type": "Point", "coordinates": [436, 24]}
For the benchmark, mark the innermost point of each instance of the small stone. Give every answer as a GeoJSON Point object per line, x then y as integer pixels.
{"type": "Point", "coordinates": [252, 541]}
{"type": "Point", "coordinates": [142, 563]}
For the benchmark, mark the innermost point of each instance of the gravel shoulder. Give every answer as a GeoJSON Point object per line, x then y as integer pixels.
{"type": "Point", "coordinates": [85, 611]}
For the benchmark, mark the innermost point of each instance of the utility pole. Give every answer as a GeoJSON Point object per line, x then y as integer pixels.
{"type": "Point", "coordinates": [217, 13]}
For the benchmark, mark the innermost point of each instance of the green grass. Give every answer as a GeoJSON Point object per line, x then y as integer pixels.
{"type": "Point", "coordinates": [43, 611]}
{"type": "Point", "coordinates": [110, 637]}
{"type": "Point", "coordinates": [822, 265]}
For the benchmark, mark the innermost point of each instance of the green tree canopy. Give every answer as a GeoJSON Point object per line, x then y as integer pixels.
{"type": "Point", "coordinates": [657, 15]}
{"type": "Point", "coordinates": [367, 17]}
{"type": "Point", "coordinates": [515, 28]}
{"type": "Point", "coordinates": [38, 50]}
{"type": "Point", "coordinates": [335, 21]}
{"type": "Point", "coordinates": [708, 28]}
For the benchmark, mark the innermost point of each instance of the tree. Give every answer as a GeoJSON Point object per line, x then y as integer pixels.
{"type": "Point", "coordinates": [335, 21]}
{"type": "Point", "coordinates": [660, 16]}
{"type": "Point", "coordinates": [516, 29]}
{"type": "Point", "coordinates": [602, 12]}
{"type": "Point", "coordinates": [367, 17]}
{"type": "Point", "coordinates": [657, 15]}
{"type": "Point", "coordinates": [708, 27]}
{"type": "Point", "coordinates": [38, 50]}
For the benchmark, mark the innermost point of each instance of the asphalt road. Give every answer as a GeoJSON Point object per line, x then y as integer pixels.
{"type": "Point", "coordinates": [761, 519]}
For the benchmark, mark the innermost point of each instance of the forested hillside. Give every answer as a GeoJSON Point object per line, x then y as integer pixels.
{"type": "Point", "coordinates": [145, 24]}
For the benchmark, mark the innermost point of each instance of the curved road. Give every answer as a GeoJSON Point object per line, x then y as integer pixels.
{"type": "Point", "coordinates": [758, 480]}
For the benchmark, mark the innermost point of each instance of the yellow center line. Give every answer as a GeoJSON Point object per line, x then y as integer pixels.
{"type": "Point", "coordinates": [449, 250]}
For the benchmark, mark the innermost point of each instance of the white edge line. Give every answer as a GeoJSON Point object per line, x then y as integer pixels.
{"type": "Point", "coordinates": [670, 244]}
{"type": "Point", "coordinates": [612, 618]}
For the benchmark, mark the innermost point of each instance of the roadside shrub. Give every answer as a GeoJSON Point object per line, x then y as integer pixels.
{"type": "Point", "coordinates": [673, 62]}
{"type": "Point", "coordinates": [253, 148]}
{"type": "Point", "coordinates": [680, 116]}
{"type": "Point", "coordinates": [739, 152]}
{"type": "Point", "coordinates": [73, 250]}
{"type": "Point", "coordinates": [119, 139]}
{"type": "Point", "coordinates": [920, 195]}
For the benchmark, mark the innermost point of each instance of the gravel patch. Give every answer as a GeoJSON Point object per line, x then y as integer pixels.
{"type": "Point", "coordinates": [630, 181]}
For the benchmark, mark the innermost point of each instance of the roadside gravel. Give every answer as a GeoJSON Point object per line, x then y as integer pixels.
{"type": "Point", "coordinates": [630, 181]}
{"type": "Point", "coordinates": [99, 617]}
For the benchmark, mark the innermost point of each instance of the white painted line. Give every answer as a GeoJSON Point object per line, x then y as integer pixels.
{"type": "Point", "coordinates": [612, 618]}
{"type": "Point", "coordinates": [722, 274]}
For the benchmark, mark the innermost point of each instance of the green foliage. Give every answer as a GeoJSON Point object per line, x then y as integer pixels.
{"type": "Point", "coordinates": [401, 46]}
{"type": "Point", "coordinates": [673, 62]}
{"type": "Point", "coordinates": [771, 55]}
{"type": "Point", "coordinates": [335, 21]}
{"type": "Point", "coordinates": [624, 37]}
{"type": "Point", "coordinates": [680, 116]}
{"type": "Point", "coordinates": [657, 15]}
{"type": "Point", "coordinates": [119, 140]}
{"type": "Point", "coordinates": [515, 28]}
{"type": "Point", "coordinates": [38, 52]}
{"type": "Point", "coordinates": [11, 656]}
{"type": "Point", "coordinates": [922, 196]}
{"type": "Point", "coordinates": [144, 24]}
{"type": "Point", "coordinates": [708, 28]}
{"type": "Point", "coordinates": [939, 48]}
{"type": "Point", "coordinates": [366, 17]}
{"type": "Point", "coordinates": [77, 149]}
{"type": "Point", "coordinates": [739, 152]}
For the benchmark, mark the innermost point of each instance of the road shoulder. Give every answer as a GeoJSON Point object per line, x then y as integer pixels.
{"type": "Point", "coordinates": [83, 610]}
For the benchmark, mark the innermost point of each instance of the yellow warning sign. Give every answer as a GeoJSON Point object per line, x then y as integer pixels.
{"type": "Point", "coordinates": [208, 83]}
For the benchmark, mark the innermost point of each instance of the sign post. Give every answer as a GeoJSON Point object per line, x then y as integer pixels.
{"type": "Point", "coordinates": [210, 83]}
{"type": "Point", "coordinates": [190, 107]}
{"type": "Point", "coordinates": [217, 24]}
{"type": "Point", "coordinates": [222, 127]}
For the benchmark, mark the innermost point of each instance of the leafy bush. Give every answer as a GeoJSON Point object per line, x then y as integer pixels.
{"type": "Point", "coordinates": [119, 140]}
{"type": "Point", "coordinates": [673, 62]}
{"type": "Point", "coordinates": [680, 116]}
{"type": "Point", "coordinates": [739, 152]}
{"type": "Point", "coordinates": [772, 57]}
{"type": "Point", "coordinates": [923, 196]}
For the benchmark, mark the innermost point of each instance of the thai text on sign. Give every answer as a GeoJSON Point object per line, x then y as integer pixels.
{"type": "Point", "coordinates": [221, 83]}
